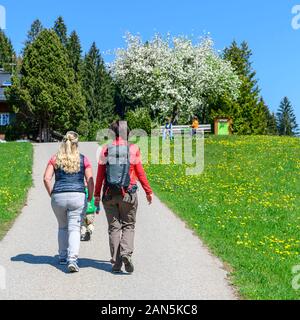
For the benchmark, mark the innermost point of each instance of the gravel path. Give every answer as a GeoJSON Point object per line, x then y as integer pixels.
{"type": "Point", "coordinates": [170, 262]}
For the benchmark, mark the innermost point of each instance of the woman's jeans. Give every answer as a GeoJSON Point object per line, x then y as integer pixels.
{"type": "Point", "coordinates": [167, 132]}
{"type": "Point", "coordinates": [69, 209]}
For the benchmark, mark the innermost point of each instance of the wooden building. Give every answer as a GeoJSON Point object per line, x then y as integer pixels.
{"type": "Point", "coordinates": [5, 111]}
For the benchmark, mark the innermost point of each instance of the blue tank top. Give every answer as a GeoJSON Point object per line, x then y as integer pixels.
{"type": "Point", "coordinates": [70, 182]}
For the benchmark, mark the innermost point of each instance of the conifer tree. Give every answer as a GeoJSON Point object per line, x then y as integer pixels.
{"type": "Point", "coordinates": [7, 53]}
{"type": "Point", "coordinates": [61, 30]}
{"type": "Point", "coordinates": [98, 88]}
{"type": "Point", "coordinates": [272, 124]}
{"type": "Point", "coordinates": [286, 119]}
{"type": "Point", "coordinates": [260, 118]}
{"type": "Point", "coordinates": [34, 32]}
{"type": "Point", "coordinates": [75, 54]}
{"type": "Point", "coordinates": [46, 93]}
{"type": "Point", "coordinates": [249, 112]}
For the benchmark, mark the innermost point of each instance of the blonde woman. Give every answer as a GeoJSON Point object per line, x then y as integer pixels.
{"type": "Point", "coordinates": [68, 197]}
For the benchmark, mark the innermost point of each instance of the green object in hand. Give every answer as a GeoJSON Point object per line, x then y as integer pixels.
{"type": "Point", "coordinates": [91, 208]}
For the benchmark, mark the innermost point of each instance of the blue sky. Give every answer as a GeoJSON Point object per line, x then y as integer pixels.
{"type": "Point", "coordinates": [265, 24]}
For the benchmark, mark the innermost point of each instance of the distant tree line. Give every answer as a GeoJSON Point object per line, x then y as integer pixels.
{"type": "Point", "coordinates": [57, 87]}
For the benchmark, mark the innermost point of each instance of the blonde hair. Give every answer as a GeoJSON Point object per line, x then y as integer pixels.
{"type": "Point", "coordinates": [68, 156]}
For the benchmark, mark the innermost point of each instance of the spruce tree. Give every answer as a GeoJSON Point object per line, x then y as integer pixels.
{"type": "Point", "coordinates": [75, 52]}
{"type": "Point", "coordinates": [249, 112]}
{"type": "Point", "coordinates": [260, 118]}
{"type": "Point", "coordinates": [272, 124]}
{"type": "Point", "coordinates": [34, 32]}
{"type": "Point", "coordinates": [286, 119]}
{"type": "Point", "coordinates": [47, 94]}
{"type": "Point", "coordinates": [7, 53]}
{"type": "Point", "coordinates": [98, 89]}
{"type": "Point", "coordinates": [61, 30]}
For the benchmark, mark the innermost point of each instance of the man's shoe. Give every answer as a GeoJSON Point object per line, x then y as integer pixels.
{"type": "Point", "coordinates": [73, 267]}
{"type": "Point", "coordinates": [128, 264]}
{"type": "Point", "coordinates": [117, 269]}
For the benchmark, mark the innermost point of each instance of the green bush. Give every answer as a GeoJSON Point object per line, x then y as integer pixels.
{"type": "Point", "coordinates": [93, 129]}
{"type": "Point", "coordinates": [139, 119]}
{"type": "Point", "coordinates": [14, 132]}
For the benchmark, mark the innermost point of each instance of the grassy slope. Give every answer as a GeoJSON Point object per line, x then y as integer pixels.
{"type": "Point", "coordinates": [15, 177]}
{"type": "Point", "coordinates": [245, 206]}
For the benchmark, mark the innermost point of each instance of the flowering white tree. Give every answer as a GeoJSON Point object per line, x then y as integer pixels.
{"type": "Point", "coordinates": [173, 76]}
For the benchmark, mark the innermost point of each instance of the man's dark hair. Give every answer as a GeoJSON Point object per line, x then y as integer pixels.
{"type": "Point", "coordinates": [120, 128]}
{"type": "Point", "coordinates": [115, 128]}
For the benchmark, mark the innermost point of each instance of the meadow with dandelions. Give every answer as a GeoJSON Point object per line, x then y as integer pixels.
{"type": "Point", "coordinates": [15, 175]}
{"type": "Point", "coordinates": [245, 207]}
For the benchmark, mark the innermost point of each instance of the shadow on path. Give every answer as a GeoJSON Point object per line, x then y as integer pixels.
{"type": "Point", "coordinates": [53, 261]}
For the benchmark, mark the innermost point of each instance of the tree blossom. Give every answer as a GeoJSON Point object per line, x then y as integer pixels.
{"type": "Point", "coordinates": [172, 75]}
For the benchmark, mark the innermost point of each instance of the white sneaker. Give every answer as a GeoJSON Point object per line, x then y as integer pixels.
{"type": "Point", "coordinates": [73, 267]}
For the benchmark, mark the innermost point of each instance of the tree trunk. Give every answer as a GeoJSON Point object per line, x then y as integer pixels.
{"type": "Point", "coordinates": [40, 131]}
{"type": "Point", "coordinates": [46, 130]}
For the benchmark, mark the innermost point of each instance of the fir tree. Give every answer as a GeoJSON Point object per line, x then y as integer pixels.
{"type": "Point", "coordinates": [47, 93]}
{"type": "Point", "coordinates": [75, 52]}
{"type": "Point", "coordinates": [272, 124]}
{"type": "Point", "coordinates": [61, 30]}
{"type": "Point", "coordinates": [249, 112]}
{"type": "Point", "coordinates": [98, 89]}
{"type": "Point", "coordinates": [260, 118]}
{"type": "Point", "coordinates": [34, 32]}
{"type": "Point", "coordinates": [286, 119]}
{"type": "Point", "coordinates": [7, 53]}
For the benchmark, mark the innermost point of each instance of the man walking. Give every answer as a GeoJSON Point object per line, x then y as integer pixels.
{"type": "Point", "coordinates": [119, 168]}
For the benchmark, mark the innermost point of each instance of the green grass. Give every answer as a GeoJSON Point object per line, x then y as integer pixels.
{"type": "Point", "coordinates": [245, 207]}
{"type": "Point", "coordinates": [15, 180]}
